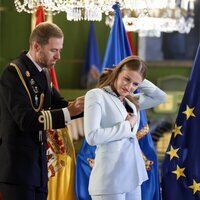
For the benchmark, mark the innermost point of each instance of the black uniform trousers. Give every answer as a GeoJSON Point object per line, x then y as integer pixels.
{"type": "Point", "coordinates": [21, 192]}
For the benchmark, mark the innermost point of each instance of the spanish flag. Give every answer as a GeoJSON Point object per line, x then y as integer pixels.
{"type": "Point", "coordinates": [61, 165]}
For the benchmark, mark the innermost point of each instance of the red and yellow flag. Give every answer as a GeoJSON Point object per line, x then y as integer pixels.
{"type": "Point", "coordinates": [61, 165]}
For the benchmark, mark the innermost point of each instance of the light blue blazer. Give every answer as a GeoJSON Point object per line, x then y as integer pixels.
{"type": "Point", "coordinates": [119, 166]}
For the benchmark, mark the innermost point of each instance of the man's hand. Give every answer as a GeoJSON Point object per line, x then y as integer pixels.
{"type": "Point", "coordinates": [76, 107]}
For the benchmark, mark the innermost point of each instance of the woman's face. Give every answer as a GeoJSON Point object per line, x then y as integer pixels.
{"type": "Point", "coordinates": [127, 82]}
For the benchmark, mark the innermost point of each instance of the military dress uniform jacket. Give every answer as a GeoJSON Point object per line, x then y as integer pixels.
{"type": "Point", "coordinates": [28, 107]}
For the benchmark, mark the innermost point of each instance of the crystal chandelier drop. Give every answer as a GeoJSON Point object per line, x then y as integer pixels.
{"type": "Point", "coordinates": [30, 6]}
{"type": "Point", "coordinates": [91, 10]}
{"type": "Point", "coordinates": [148, 17]}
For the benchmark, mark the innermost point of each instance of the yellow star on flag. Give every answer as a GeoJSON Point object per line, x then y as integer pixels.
{"type": "Point", "coordinates": [189, 112]}
{"type": "Point", "coordinates": [179, 172]}
{"type": "Point", "coordinates": [195, 186]}
{"type": "Point", "coordinates": [173, 152]}
{"type": "Point", "coordinates": [177, 130]}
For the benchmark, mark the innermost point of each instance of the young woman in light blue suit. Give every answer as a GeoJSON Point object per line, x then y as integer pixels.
{"type": "Point", "coordinates": [111, 120]}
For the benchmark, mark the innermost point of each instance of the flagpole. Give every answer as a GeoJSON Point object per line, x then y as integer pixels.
{"type": "Point", "coordinates": [49, 17]}
{"type": "Point", "coordinates": [33, 20]}
{"type": "Point", "coordinates": [52, 69]}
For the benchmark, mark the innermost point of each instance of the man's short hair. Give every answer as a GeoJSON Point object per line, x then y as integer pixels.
{"type": "Point", "coordinates": [44, 31]}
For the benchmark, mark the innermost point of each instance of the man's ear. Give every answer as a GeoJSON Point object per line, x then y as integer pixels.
{"type": "Point", "coordinates": [36, 46]}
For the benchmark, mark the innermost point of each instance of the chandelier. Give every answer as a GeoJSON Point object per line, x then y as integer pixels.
{"type": "Point", "coordinates": [148, 17]}
{"type": "Point", "coordinates": [76, 9]}
{"type": "Point", "coordinates": [151, 17]}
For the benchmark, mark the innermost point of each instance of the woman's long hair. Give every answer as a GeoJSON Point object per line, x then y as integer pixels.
{"type": "Point", "coordinates": [133, 63]}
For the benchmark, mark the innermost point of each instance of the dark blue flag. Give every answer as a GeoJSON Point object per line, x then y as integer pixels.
{"type": "Point", "coordinates": [181, 166]}
{"type": "Point", "coordinates": [92, 65]}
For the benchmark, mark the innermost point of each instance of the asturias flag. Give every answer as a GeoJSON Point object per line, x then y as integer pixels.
{"type": "Point", "coordinates": [118, 47]}
{"type": "Point", "coordinates": [92, 65]}
{"type": "Point", "coordinates": [181, 166]}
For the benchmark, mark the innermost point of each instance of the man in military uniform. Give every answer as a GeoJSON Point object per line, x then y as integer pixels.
{"type": "Point", "coordinates": [29, 106]}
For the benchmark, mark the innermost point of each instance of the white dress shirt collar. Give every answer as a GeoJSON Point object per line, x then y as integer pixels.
{"type": "Point", "coordinates": [37, 66]}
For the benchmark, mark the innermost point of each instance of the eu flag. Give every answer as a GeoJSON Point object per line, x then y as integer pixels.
{"type": "Point", "coordinates": [181, 166]}
{"type": "Point", "coordinates": [92, 65]}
